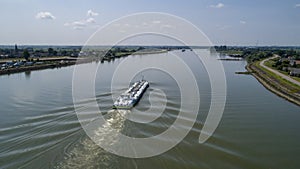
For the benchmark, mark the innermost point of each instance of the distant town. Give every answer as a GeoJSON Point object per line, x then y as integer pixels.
{"type": "Point", "coordinates": [288, 59]}
{"type": "Point", "coordinates": [38, 51]}
{"type": "Point", "coordinates": [277, 68]}
{"type": "Point", "coordinates": [14, 56]}
{"type": "Point", "coordinates": [14, 59]}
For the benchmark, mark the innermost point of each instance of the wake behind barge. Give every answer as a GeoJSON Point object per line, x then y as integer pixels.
{"type": "Point", "coordinates": [132, 96]}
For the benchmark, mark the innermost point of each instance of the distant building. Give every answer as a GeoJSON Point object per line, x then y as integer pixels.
{"type": "Point", "coordinates": [16, 51]}
{"type": "Point", "coordinates": [294, 62]}
{"type": "Point", "coordinates": [284, 60]}
{"type": "Point", "coordinates": [295, 72]}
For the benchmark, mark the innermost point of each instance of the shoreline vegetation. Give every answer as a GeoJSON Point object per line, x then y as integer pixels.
{"type": "Point", "coordinates": [274, 83]}
{"type": "Point", "coordinates": [253, 55]}
{"type": "Point", "coordinates": [19, 64]}
{"type": "Point", "coordinates": [47, 65]}
{"type": "Point", "coordinates": [271, 81]}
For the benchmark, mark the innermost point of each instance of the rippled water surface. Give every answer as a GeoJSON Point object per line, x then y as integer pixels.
{"type": "Point", "coordinates": [39, 127]}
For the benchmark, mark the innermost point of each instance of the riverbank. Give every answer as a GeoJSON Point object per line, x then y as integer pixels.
{"type": "Point", "coordinates": [55, 63]}
{"type": "Point", "coordinates": [35, 67]}
{"type": "Point", "coordinates": [150, 52]}
{"type": "Point", "coordinates": [274, 83]}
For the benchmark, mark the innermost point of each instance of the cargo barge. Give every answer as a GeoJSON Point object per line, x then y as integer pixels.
{"type": "Point", "coordinates": [132, 96]}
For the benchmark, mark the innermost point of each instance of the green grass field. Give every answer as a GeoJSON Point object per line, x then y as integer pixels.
{"type": "Point", "coordinates": [293, 87]}
{"type": "Point", "coordinates": [271, 62]}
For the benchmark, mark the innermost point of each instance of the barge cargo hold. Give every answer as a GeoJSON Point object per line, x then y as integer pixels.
{"type": "Point", "coordinates": [132, 96]}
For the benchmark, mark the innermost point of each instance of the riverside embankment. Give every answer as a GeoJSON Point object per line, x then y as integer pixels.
{"type": "Point", "coordinates": [275, 83]}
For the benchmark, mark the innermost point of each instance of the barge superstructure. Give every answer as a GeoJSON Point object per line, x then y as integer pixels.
{"type": "Point", "coordinates": [132, 96]}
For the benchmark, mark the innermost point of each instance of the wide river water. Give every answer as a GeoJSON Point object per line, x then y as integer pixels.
{"type": "Point", "coordinates": [40, 129]}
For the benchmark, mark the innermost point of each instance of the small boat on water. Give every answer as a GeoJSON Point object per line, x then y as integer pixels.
{"type": "Point", "coordinates": [132, 96]}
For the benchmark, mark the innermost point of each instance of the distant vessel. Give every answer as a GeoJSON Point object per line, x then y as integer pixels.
{"type": "Point", "coordinates": [183, 50]}
{"type": "Point", "coordinates": [132, 96]}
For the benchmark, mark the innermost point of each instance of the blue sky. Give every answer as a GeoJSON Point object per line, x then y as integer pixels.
{"type": "Point", "coordinates": [229, 22]}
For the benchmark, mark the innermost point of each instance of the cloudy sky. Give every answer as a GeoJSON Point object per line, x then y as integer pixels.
{"type": "Point", "coordinates": [72, 22]}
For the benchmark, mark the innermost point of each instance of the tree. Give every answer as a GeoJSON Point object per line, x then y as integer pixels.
{"type": "Point", "coordinates": [50, 51]}
{"type": "Point", "coordinates": [26, 54]}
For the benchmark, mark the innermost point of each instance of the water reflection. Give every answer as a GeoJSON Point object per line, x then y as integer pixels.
{"type": "Point", "coordinates": [27, 74]}
{"type": "Point", "coordinates": [39, 127]}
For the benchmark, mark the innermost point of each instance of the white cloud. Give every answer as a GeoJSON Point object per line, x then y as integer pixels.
{"type": "Point", "coordinates": [297, 6]}
{"type": "Point", "coordinates": [79, 25]}
{"type": "Point", "coordinates": [156, 22]}
{"type": "Point", "coordinates": [91, 13]}
{"type": "Point", "coordinates": [91, 20]}
{"type": "Point", "coordinates": [243, 22]}
{"type": "Point", "coordinates": [219, 5]}
{"type": "Point", "coordinates": [44, 15]}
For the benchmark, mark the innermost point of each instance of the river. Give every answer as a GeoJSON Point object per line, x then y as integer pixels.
{"type": "Point", "coordinates": [39, 127]}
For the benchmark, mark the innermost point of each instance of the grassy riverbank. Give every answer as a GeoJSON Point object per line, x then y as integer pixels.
{"type": "Point", "coordinates": [275, 83]}
{"type": "Point", "coordinates": [34, 67]}
{"type": "Point", "coordinates": [272, 62]}
{"type": "Point", "coordinates": [62, 61]}
{"type": "Point", "coordinates": [282, 85]}
{"type": "Point", "coordinates": [145, 52]}
{"type": "Point", "coordinates": [53, 63]}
